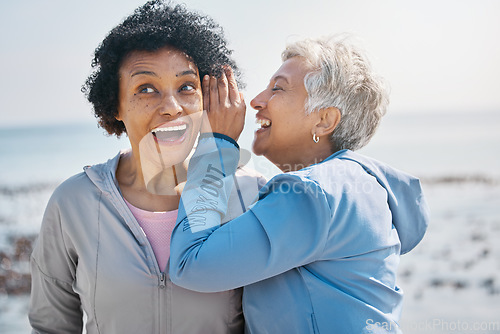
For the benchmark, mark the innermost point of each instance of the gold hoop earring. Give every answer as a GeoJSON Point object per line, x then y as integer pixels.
{"type": "Point", "coordinates": [315, 138]}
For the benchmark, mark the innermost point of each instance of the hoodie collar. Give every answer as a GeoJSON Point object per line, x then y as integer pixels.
{"type": "Point", "coordinates": [97, 173]}
{"type": "Point", "coordinates": [410, 212]}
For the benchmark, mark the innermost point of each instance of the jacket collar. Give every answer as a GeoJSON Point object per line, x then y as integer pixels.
{"type": "Point", "coordinates": [98, 173]}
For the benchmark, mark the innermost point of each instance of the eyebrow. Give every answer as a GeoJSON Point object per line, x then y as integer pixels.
{"type": "Point", "coordinates": [276, 78]}
{"type": "Point", "coordinates": [180, 74]}
{"type": "Point", "coordinates": [144, 73]}
{"type": "Point", "coordinates": [188, 72]}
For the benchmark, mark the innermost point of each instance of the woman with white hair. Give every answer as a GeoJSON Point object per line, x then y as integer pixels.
{"type": "Point", "coordinates": [319, 251]}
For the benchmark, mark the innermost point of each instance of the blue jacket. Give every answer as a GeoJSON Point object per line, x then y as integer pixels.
{"type": "Point", "coordinates": [318, 252]}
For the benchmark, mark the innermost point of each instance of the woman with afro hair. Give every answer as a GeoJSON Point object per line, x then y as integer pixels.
{"type": "Point", "coordinates": [101, 258]}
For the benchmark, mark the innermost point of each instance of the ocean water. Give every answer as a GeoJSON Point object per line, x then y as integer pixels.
{"type": "Point", "coordinates": [51, 153]}
{"type": "Point", "coordinates": [440, 144]}
{"type": "Point", "coordinates": [34, 160]}
{"type": "Point", "coordinates": [455, 154]}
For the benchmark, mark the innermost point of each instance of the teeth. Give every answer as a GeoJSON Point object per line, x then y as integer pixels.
{"type": "Point", "coordinates": [263, 122]}
{"type": "Point", "coordinates": [171, 128]}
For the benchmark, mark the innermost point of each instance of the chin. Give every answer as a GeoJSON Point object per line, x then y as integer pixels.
{"type": "Point", "coordinates": [256, 149]}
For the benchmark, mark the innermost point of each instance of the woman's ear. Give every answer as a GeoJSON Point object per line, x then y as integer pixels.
{"type": "Point", "coordinates": [117, 115]}
{"type": "Point", "coordinates": [328, 119]}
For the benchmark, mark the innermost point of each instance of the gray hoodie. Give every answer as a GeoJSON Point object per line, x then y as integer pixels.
{"type": "Point", "coordinates": [93, 261]}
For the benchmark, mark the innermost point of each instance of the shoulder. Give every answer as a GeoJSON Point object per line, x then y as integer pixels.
{"type": "Point", "coordinates": [336, 168]}
{"type": "Point", "coordinates": [90, 180]}
{"type": "Point", "coordinates": [292, 199]}
{"type": "Point", "coordinates": [341, 177]}
{"type": "Point", "coordinates": [331, 184]}
{"type": "Point", "coordinates": [293, 184]}
{"type": "Point", "coordinates": [70, 195]}
{"type": "Point", "coordinates": [72, 186]}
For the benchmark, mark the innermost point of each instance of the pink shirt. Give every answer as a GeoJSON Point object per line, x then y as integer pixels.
{"type": "Point", "coordinates": [158, 227]}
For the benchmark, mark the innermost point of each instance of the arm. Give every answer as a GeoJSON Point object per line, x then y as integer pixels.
{"type": "Point", "coordinates": [54, 306]}
{"type": "Point", "coordinates": [285, 229]}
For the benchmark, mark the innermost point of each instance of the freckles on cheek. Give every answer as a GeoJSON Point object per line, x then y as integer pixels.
{"type": "Point", "coordinates": [134, 105]}
{"type": "Point", "coordinates": [195, 106]}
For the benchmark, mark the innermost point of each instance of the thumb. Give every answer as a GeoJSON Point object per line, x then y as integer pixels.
{"type": "Point", "coordinates": [205, 123]}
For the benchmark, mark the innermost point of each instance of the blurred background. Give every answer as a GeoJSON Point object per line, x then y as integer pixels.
{"type": "Point", "coordinates": [441, 59]}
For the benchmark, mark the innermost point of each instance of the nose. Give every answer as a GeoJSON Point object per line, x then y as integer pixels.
{"type": "Point", "coordinates": [260, 101]}
{"type": "Point", "coordinates": [170, 106]}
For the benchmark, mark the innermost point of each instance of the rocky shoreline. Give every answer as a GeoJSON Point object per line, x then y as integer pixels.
{"type": "Point", "coordinates": [15, 278]}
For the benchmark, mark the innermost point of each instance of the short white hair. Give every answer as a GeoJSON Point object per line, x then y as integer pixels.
{"type": "Point", "coordinates": [342, 77]}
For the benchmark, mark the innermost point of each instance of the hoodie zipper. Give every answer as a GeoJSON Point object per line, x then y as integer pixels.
{"type": "Point", "coordinates": [162, 280]}
{"type": "Point", "coordinates": [163, 314]}
{"type": "Point", "coordinates": [142, 241]}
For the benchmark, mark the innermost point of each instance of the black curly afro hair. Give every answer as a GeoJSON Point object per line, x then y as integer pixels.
{"type": "Point", "coordinates": [152, 26]}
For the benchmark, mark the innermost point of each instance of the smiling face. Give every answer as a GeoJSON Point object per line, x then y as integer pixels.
{"type": "Point", "coordinates": [160, 103]}
{"type": "Point", "coordinates": [285, 135]}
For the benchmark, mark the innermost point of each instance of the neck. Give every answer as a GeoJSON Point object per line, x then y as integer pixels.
{"type": "Point", "coordinates": [160, 193]}
{"type": "Point", "coordinates": [132, 173]}
{"type": "Point", "coordinates": [167, 181]}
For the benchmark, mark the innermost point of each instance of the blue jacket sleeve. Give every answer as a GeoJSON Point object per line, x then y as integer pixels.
{"type": "Point", "coordinates": [285, 229]}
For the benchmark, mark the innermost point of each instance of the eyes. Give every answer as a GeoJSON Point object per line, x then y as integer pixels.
{"type": "Point", "coordinates": [147, 90]}
{"type": "Point", "coordinates": [186, 88]}
{"type": "Point", "coordinates": [276, 88]}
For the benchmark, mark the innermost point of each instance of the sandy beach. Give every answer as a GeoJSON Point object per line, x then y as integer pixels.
{"type": "Point", "coordinates": [452, 279]}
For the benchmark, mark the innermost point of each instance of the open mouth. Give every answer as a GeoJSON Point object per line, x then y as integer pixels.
{"type": "Point", "coordinates": [264, 123]}
{"type": "Point", "coordinates": [170, 134]}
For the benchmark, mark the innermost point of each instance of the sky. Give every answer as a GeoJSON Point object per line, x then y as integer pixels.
{"type": "Point", "coordinates": [436, 55]}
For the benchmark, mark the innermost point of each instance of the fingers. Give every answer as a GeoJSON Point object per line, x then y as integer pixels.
{"type": "Point", "coordinates": [214, 95]}
{"type": "Point", "coordinates": [206, 92]}
{"type": "Point", "coordinates": [234, 95]}
{"type": "Point", "coordinates": [223, 89]}
{"type": "Point", "coordinates": [224, 104]}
